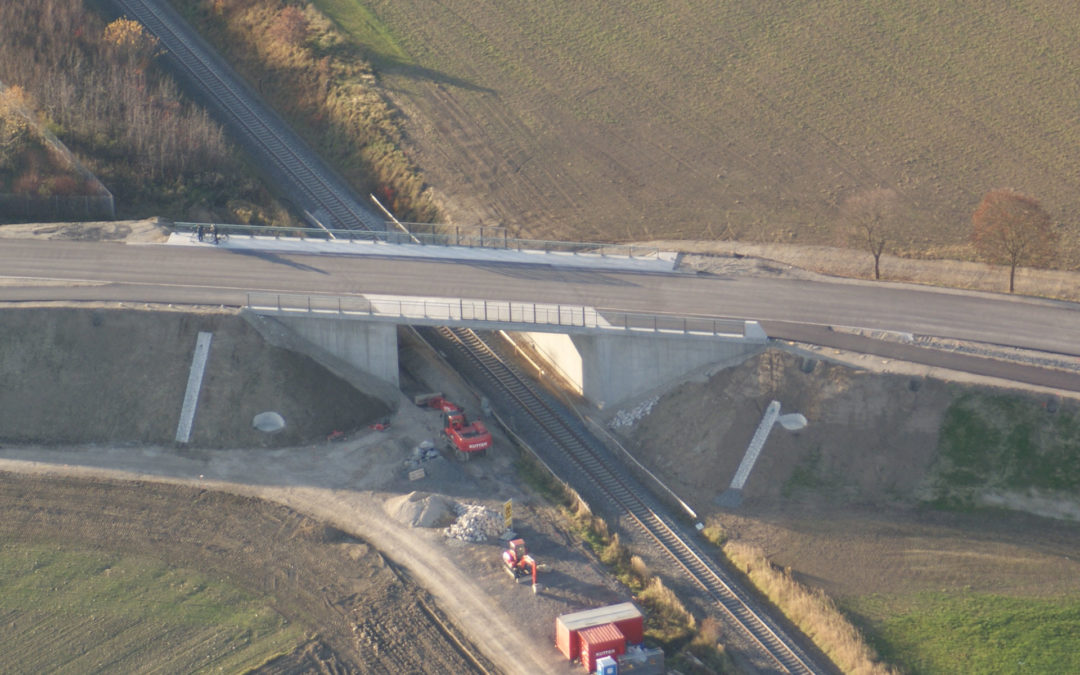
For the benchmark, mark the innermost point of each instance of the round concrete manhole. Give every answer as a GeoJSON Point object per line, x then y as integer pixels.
{"type": "Point", "coordinates": [268, 422]}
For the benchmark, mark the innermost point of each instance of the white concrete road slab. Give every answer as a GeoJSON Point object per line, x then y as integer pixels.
{"type": "Point", "coordinates": [663, 261]}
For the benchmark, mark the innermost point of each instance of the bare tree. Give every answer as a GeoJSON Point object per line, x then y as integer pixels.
{"type": "Point", "coordinates": [871, 216]}
{"type": "Point", "coordinates": [1012, 229]}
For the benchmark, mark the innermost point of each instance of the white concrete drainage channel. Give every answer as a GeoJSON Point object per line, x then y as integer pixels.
{"type": "Point", "coordinates": [732, 497]}
{"type": "Point", "coordinates": [194, 386]}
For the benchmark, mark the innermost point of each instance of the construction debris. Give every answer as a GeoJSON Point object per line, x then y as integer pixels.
{"type": "Point", "coordinates": [475, 523]}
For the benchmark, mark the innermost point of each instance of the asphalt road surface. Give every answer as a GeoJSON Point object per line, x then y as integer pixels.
{"type": "Point", "coordinates": [792, 308]}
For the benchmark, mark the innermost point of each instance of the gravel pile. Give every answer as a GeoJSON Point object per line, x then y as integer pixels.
{"type": "Point", "coordinates": [475, 523]}
{"type": "Point", "coordinates": [419, 509]}
{"type": "Point", "coordinates": [628, 418]}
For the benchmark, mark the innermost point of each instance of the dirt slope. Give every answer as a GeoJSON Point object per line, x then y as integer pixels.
{"type": "Point", "coordinates": [839, 502]}
{"type": "Point", "coordinates": [109, 375]}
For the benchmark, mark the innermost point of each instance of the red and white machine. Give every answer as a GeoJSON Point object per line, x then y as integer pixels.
{"type": "Point", "coordinates": [519, 563]}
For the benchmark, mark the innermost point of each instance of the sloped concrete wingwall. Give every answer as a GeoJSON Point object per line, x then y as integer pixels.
{"type": "Point", "coordinates": [611, 369]}
{"type": "Point", "coordinates": [363, 353]}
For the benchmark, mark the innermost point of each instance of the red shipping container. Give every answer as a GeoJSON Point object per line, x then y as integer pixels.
{"type": "Point", "coordinates": [605, 640]}
{"type": "Point", "coordinates": [626, 616]}
{"type": "Point", "coordinates": [632, 628]}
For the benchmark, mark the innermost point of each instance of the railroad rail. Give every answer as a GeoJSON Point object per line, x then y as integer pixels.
{"type": "Point", "coordinates": [324, 197]}
{"type": "Point", "coordinates": [629, 498]}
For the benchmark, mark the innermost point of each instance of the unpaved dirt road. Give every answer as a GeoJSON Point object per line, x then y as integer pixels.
{"type": "Point", "coordinates": [302, 522]}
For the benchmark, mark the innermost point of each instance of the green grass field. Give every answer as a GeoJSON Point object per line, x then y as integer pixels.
{"type": "Point", "coordinates": [100, 612]}
{"type": "Point", "coordinates": [973, 633]}
{"type": "Point", "coordinates": [745, 120]}
{"type": "Point", "coordinates": [1006, 443]}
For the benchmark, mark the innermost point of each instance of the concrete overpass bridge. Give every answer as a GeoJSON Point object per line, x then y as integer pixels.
{"type": "Point", "coordinates": [388, 284]}
{"type": "Point", "coordinates": [609, 356]}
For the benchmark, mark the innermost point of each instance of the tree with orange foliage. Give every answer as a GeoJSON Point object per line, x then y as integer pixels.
{"type": "Point", "coordinates": [1012, 229]}
{"type": "Point", "coordinates": [290, 26]}
{"type": "Point", "coordinates": [15, 126]}
{"type": "Point", "coordinates": [131, 41]}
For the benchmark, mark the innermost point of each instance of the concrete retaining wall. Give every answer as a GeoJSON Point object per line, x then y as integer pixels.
{"type": "Point", "coordinates": [612, 369]}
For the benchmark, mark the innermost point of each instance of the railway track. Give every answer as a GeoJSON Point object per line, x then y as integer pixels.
{"type": "Point", "coordinates": [324, 197]}
{"type": "Point", "coordinates": [626, 496]}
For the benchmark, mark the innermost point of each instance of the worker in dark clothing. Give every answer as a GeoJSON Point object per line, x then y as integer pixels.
{"type": "Point", "coordinates": [199, 232]}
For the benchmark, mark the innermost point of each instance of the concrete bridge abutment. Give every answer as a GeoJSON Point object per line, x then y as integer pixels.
{"type": "Point", "coordinates": [610, 370]}
{"type": "Point", "coordinates": [364, 353]}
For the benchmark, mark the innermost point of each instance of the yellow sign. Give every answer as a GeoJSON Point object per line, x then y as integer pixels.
{"type": "Point", "coordinates": [508, 512]}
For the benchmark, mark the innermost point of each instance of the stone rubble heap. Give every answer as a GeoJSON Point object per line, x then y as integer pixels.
{"type": "Point", "coordinates": [628, 418]}
{"type": "Point", "coordinates": [475, 523]}
{"type": "Point", "coordinates": [424, 452]}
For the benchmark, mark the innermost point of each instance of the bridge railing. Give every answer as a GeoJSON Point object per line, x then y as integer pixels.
{"type": "Point", "coordinates": [500, 314]}
{"type": "Point", "coordinates": [435, 235]}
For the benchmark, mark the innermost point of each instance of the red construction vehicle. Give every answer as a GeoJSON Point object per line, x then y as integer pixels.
{"type": "Point", "coordinates": [519, 563]}
{"type": "Point", "coordinates": [467, 439]}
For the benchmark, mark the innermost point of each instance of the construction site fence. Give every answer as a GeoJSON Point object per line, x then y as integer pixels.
{"type": "Point", "coordinates": [515, 315]}
{"type": "Point", "coordinates": [420, 234]}
{"type": "Point", "coordinates": [57, 207]}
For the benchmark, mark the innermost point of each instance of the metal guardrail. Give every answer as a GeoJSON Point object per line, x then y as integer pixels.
{"type": "Point", "coordinates": [499, 313]}
{"type": "Point", "coordinates": [436, 235]}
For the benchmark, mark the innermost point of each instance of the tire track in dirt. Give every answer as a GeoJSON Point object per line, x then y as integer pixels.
{"type": "Point", "coordinates": [328, 581]}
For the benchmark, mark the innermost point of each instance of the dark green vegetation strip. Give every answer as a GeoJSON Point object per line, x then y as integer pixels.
{"type": "Point", "coordinates": [125, 613]}
{"type": "Point", "coordinates": [973, 633]}
{"type": "Point", "coordinates": [1006, 443]}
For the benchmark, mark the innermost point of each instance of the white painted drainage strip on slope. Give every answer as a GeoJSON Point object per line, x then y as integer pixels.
{"type": "Point", "coordinates": [756, 443]}
{"type": "Point", "coordinates": [194, 386]}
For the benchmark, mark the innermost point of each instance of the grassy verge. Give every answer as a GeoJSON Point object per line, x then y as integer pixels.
{"type": "Point", "coordinates": [120, 613]}
{"type": "Point", "coordinates": [973, 632]}
{"type": "Point", "coordinates": [316, 70]}
{"type": "Point", "coordinates": [1005, 443]}
{"type": "Point", "coordinates": [811, 611]}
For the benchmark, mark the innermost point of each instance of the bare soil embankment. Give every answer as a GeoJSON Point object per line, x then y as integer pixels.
{"type": "Point", "coordinates": [841, 501]}
{"type": "Point", "coordinates": [106, 375]}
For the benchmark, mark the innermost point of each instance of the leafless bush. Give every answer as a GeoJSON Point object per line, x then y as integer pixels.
{"type": "Point", "coordinates": [94, 84]}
